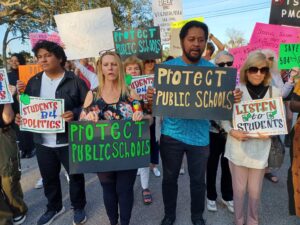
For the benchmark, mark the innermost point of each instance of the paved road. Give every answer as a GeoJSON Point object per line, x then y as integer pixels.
{"type": "Point", "coordinates": [274, 205]}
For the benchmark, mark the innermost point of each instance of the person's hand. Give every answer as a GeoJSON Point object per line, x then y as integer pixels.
{"type": "Point", "coordinates": [12, 89]}
{"type": "Point", "coordinates": [294, 73]}
{"type": "Point", "coordinates": [68, 116]}
{"type": "Point", "coordinates": [137, 116]}
{"type": "Point", "coordinates": [262, 136]}
{"type": "Point", "coordinates": [238, 94]}
{"type": "Point", "coordinates": [150, 92]}
{"type": "Point", "coordinates": [18, 119]}
{"type": "Point", "coordinates": [239, 135]}
{"type": "Point", "coordinates": [20, 86]}
{"type": "Point", "coordinates": [90, 116]}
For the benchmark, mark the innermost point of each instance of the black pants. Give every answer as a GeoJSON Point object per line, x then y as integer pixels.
{"type": "Point", "coordinates": [50, 160]}
{"type": "Point", "coordinates": [172, 152]}
{"type": "Point", "coordinates": [154, 154]}
{"type": "Point", "coordinates": [118, 192]}
{"type": "Point", "coordinates": [217, 149]}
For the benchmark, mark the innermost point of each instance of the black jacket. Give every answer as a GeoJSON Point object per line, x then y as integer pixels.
{"type": "Point", "coordinates": [71, 88]}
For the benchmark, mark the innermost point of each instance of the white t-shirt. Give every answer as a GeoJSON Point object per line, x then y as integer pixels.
{"type": "Point", "coordinates": [48, 89]}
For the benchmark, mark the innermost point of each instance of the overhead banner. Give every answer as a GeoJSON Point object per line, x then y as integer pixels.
{"type": "Point", "coordinates": [271, 36]}
{"type": "Point", "coordinates": [194, 92]}
{"type": "Point", "coordinates": [264, 116]}
{"type": "Point", "coordinates": [175, 46]}
{"type": "Point", "coordinates": [5, 95]}
{"type": "Point", "coordinates": [289, 56]}
{"type": "Point", "coordinates": [164, 13]}
{"type": "Point", "coordinates": [86, 33]}
{"type": "Point", "coordinates": [36, 37]}
{"type": "Point", "coordinates": [108, 145]}
{"type": "Point", "coordinates": [28, 71]}
{"type": "Point", "coordinates": [41, 115]}
{"type": "Point", "coordinates": [285, 12]}
{"type": "Point", "coordinates": [141, 83]}
{"type": "Point", "coordinates": [142, 42]}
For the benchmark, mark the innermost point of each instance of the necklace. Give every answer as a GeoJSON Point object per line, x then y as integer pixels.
{"type": "Point", "coordinates": [259, 95]}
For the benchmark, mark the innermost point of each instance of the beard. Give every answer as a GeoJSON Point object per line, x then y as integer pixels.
{"type": "Point", "coordinates": [193, 59]}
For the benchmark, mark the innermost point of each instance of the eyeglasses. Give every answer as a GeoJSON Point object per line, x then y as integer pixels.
{"type": "Point", "coordinates": [254, 69]}
{"type": "Point", "coordinates": [222, 64]}
{"type": "Point", "coordinates": [104, 52]}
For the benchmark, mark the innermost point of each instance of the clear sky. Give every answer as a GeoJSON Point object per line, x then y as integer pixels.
{"type": "Point", "coordinates": [219, 15]}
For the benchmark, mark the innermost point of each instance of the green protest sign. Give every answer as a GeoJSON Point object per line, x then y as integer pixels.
{"type": "Point", "coordinates": [289, 56]}
{"type": "Point", "coordinates": [108, 145]}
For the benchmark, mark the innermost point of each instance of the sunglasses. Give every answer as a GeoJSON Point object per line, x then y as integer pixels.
{"type": "Point", "coordinates": [108, 51]}
{"type": "Point", "coordinates": [222, 64]}
{"type": "Point", "coordinates": [264, 70]}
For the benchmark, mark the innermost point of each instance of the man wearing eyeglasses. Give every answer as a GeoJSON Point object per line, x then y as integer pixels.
{"type": "Point", "coordinates": [188, 136]}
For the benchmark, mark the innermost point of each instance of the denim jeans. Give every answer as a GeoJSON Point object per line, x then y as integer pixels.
{"type": "Point", "coordinates": [172, 152]}
{"type": "Point", "coordinates": [50, 160]}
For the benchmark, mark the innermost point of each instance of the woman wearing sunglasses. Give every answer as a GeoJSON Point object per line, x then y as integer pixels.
{"type": "Point", "coordinates": [217, 137]}
{"type": "Point", "coordinates": [114, 101]}
{"type": "Point", "coordinates": [248, 156]}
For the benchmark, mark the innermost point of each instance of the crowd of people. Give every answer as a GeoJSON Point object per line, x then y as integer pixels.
{"type": "Point", "coordinates": [103, 94]}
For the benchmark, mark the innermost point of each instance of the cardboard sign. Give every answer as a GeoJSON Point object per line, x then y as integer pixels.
{"type": "Point", "coordinates": [164, 13]}
{"type": "Point", "coordinates": [5, 95]}
{"type": "Point", "coordinates": [36, 37]}
{"type": "Point", "coordinates": [28, 71]}
{"type": "Point", "coordinates": [108, 145]}
{"type": "Point", "coordinates": [264, 116]}
{"type": "Point", "coordinates": [41, 115]}
{"type": "Point", "coordinates": [285, 12]}
{"type": "Point", "coordinates": [85, 33]}
{"type": "Point", "coordinates": [142, 42]}
{"type": "Point", "coordinates": [194, 92]}
{"type": "Point", "coordinates": [271, 36]}
{"type": "Point", "coordinates": [141, 83]}
{"type": "Point", "coordinates": [289, 56]}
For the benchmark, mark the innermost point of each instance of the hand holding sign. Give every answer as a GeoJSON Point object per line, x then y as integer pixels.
{"type": "Point", "coordinates": [68, 116]}
{"type": "Point", "coordinates": [239, 135]}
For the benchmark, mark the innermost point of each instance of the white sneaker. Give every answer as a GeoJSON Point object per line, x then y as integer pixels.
{"type": "Point", "coordinates": [211, 205]}
{"type": "Point", "coordinates": [138, 172]}
{"type": "Point", "coordinates": [228, 204]}
{"type": "Point", "coordinates": [39, 184]}
{"type": "Point", "coordinates": [67, 177]}
{"type": "Point", "coordinates": [181, 172]}
{"type": "Point", "coordinates": [156, 171]}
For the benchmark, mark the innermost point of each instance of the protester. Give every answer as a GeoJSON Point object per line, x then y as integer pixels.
{"type": "Point", "coordinates": [85, 63]}
{"type": "Point", "coordinates": [114, 101]}
{"type": "Point", "coordinates": [248, 156]}
{"type": "Point", "coordinates": [12, 208]}
{"type": "Point", "coordinates": [188, 136]}
{"type": "Point", "coordinates": [210, 48]}
{"type": "Point", "coordinates": [91, 77]}
{"type": "Point", "coordinates": [293, 181]}
{"type": "Point", "coordinates": [218, 137]}
{"type": "Point", "coordinates": [24, 139]}
{"type": "Point", "coordinates": [52, 149]}
{"type": "Point", "coordinates": [134, 67]}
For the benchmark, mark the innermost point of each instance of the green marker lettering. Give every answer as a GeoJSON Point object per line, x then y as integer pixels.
{"type": "Point", "coordinates": [115, 134]}
{"type": "Point", "coordinates": [140, 124]}
{"type": "Point", "coordinates": [88, 153]}
{"type": "Point", "coordinates": [127, 135]}
{"type": "Point", "coordinates": [102, 126]}
{"type": "Point", "coordinates": [73, 129]}
{"type": "Point", "coordinates": [74, 147]}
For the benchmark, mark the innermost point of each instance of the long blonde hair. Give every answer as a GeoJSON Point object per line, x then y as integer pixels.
{"type": "Point", "coordinates": [121, 77]}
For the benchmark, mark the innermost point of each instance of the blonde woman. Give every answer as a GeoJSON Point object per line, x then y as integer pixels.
{"type": "Point", "coordinates": [248, 156]}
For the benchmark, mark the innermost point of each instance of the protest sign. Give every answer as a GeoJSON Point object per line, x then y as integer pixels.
{"type": "Point", "coordinates": [28, 71]}
{"type": "Point", "coordinates": [5, 95]}
{"type": "Point", "coordinates": [165, 12]}
{"type": "Point", "coordinates": [289, 56]}
{"type": "Point", "coordinates": [175, 46]}
{"type": "Point", "coordinates": [41, 115]}
{"type": "Point", "coordinates": [194, 92]}
{"type": "Point", "coordinates": [264, 116]}
{"type": "Point", "coordinates": [108, 145]}
{"type": "Point", "coordinates": [270, 36]}
{"type": "Point", "coordinates": [85, 33]}
{"type": "Point", "coordinates": [141, 42]}
{"type": "Point", "coordinates": [285, 12]}
{"type": "Point", "coordinates": [141, 83]}
{"type": "Point", "coordinates": [36, 37]}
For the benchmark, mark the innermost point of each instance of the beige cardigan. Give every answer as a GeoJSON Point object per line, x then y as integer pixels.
{"type": "Point", "coordinates": [252, 153]}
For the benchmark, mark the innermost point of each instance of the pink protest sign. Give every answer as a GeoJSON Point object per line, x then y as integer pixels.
{"type": "Point", "coordinates": [35, 37]}
{"type": "Point", "coordinates": [270, 36]}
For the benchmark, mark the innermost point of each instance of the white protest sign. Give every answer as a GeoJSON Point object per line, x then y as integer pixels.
{"type": "Point", "coordinates": [141, 83]}
{"type": "Point", "coordinates": [265, 116]}
{"type": "Point", "coordinates": [5, 95]}
{"type": "Point", "coordinates": [164, 13]}
{"type": "Point", "coordinates": [86, 33]}
{"type": "Point", "coordinates": [41, 115]}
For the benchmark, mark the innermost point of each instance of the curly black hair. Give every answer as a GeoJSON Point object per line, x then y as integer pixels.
{"type": "Point", "coordinates": [20, 57]}
{"type": "Point", "coordinates": [184, 30]}
{"type": "Point", "coordinates": [52, 47]}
